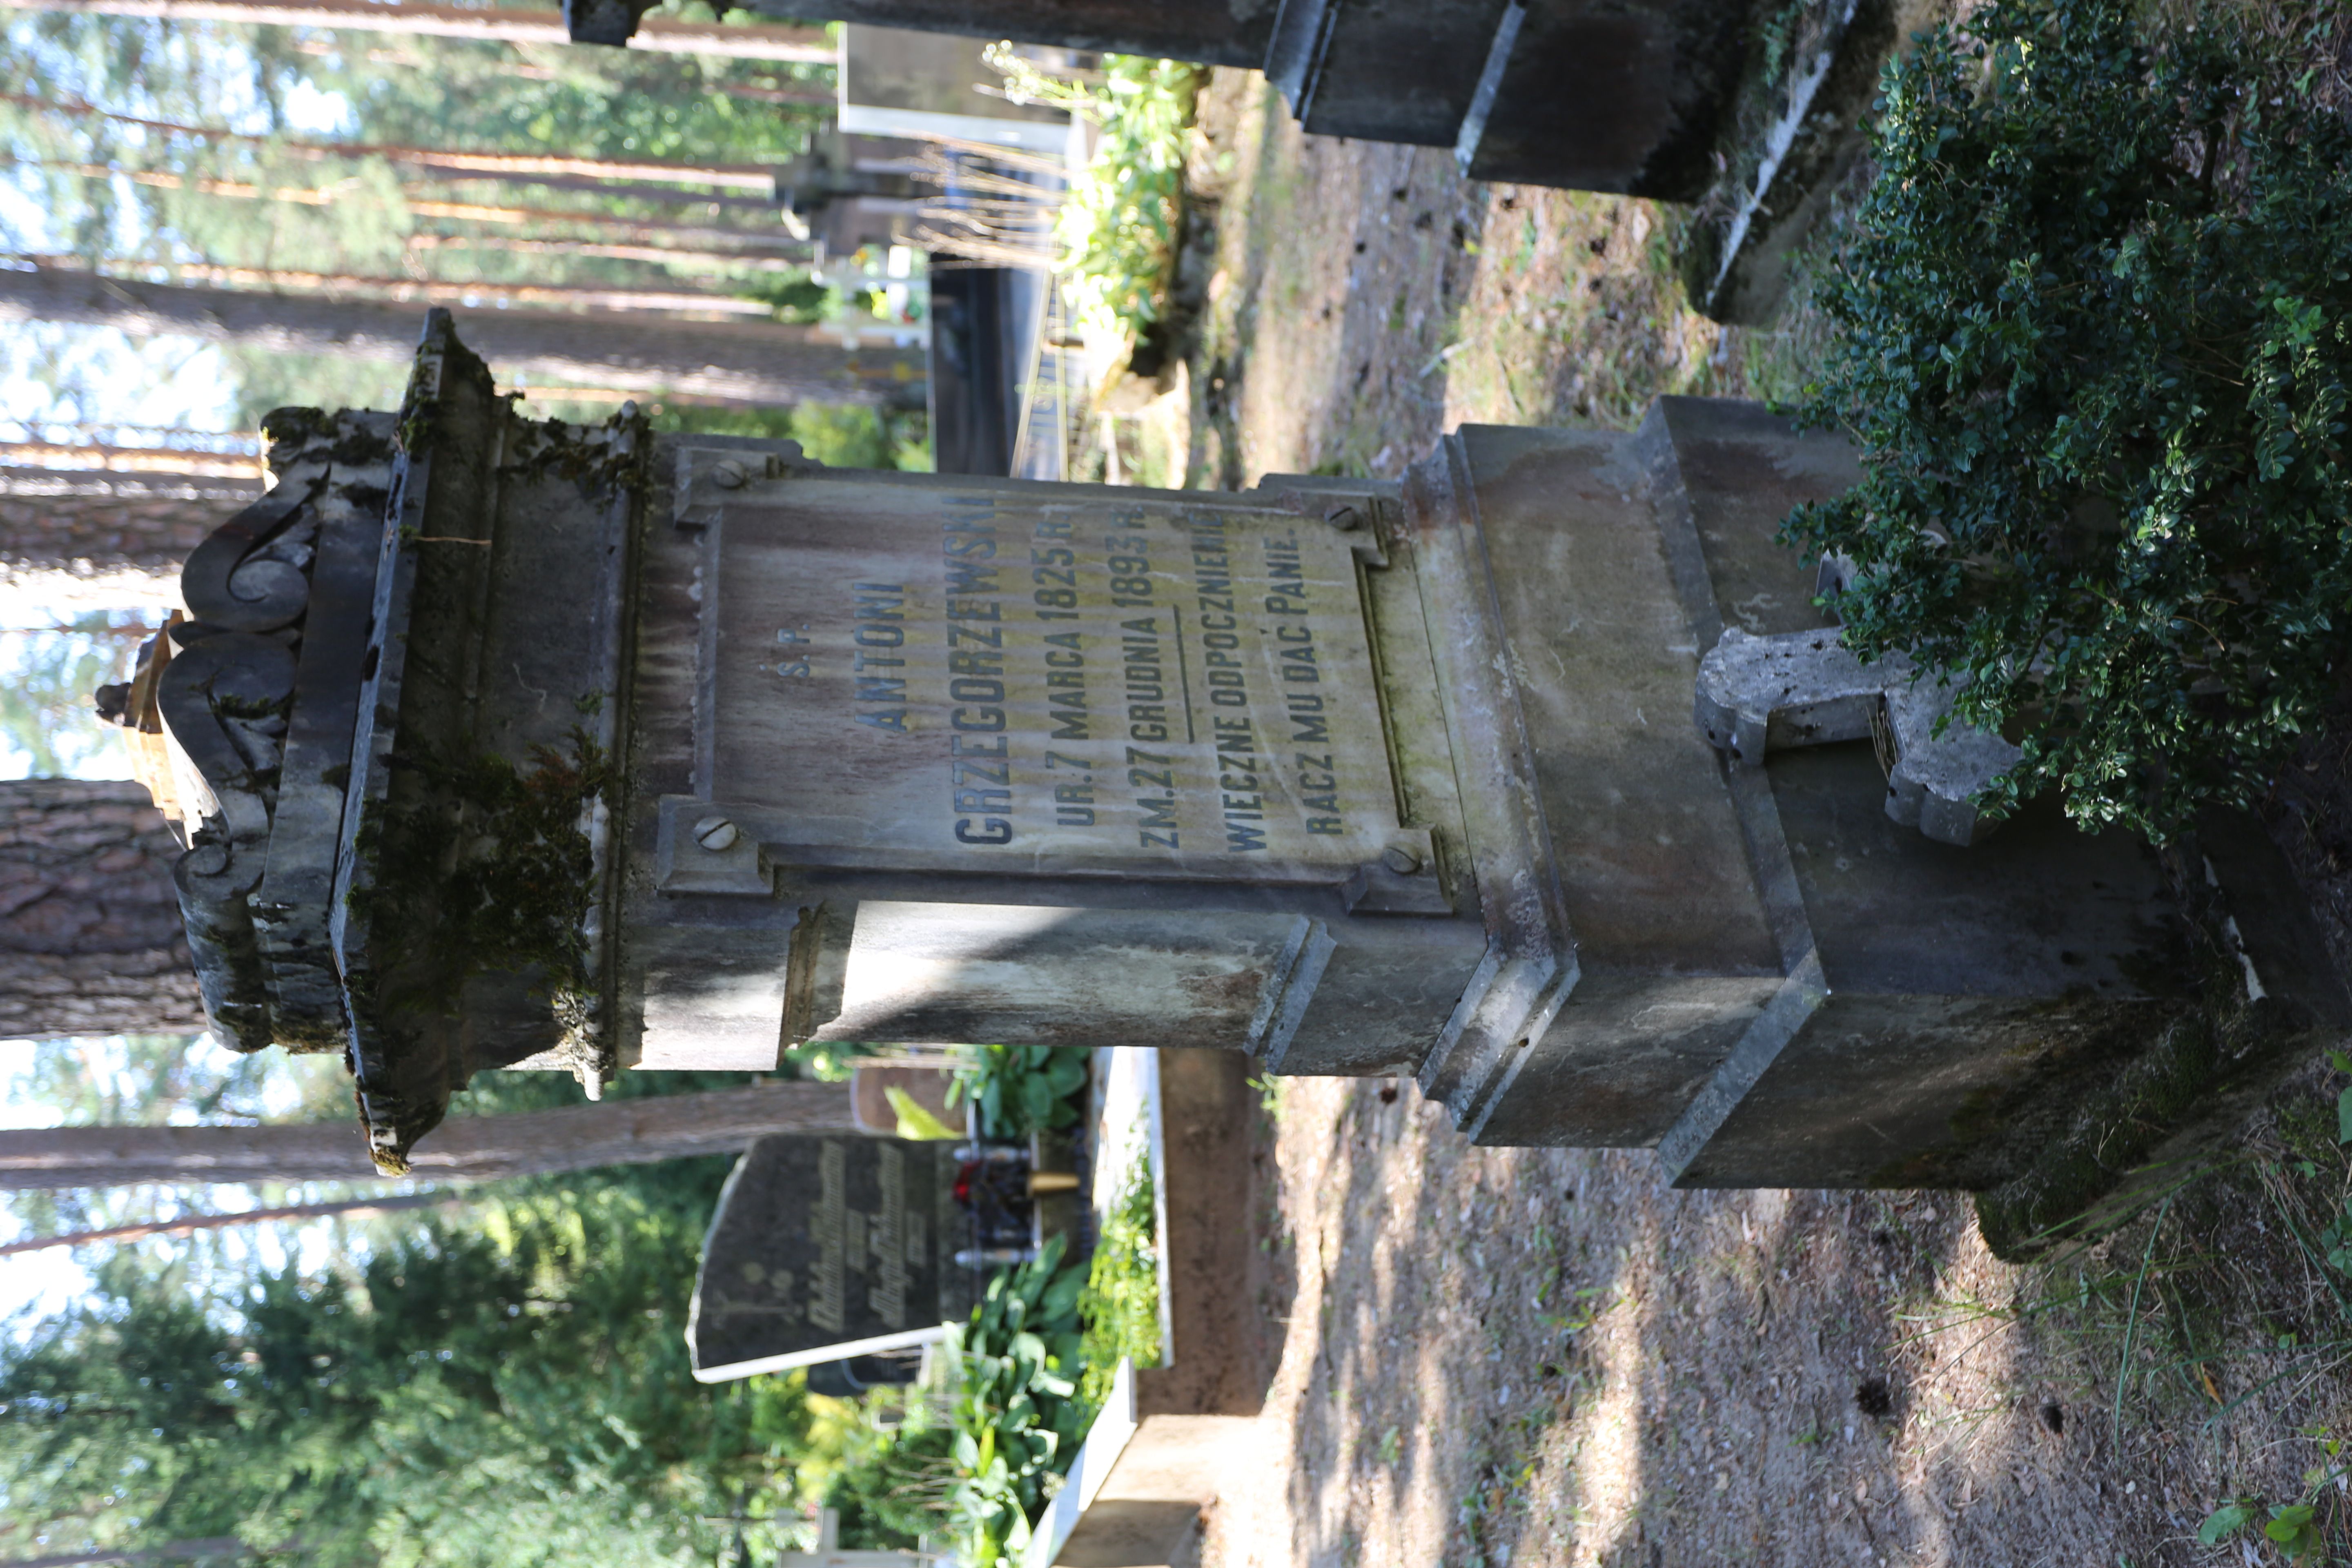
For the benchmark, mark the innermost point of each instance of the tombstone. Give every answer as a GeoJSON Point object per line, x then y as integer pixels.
{"type": "Point", "coordinates": [1623, 97]}
{"type": "Point", "coordinates": [1751, 110]}
{"type": "Point", "coordinates": [830, 1249]}
{"type": "Point", "coordinates": [602, 750]}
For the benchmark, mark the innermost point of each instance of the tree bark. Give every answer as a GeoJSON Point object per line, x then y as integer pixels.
{"type": "Point", "coordinates": [753, 241]}
{"type": "Point", "coordinates": [760, 363]}
{"type": "Point", "coordinates": [178, 462]}
{"type": "Point", "coordinates": [1213, 32]}
{"type": "Point", "coordinates": [463, 1148]}
{"type": "Point", "coordinates": [647, 229]}
{"type": "Point", "coordinates": [429, 291]}
{"type": "Point", "coordinates": [658, 255]}
{"type": "Point", "coordinates": [476, 213]}
{"type": "Point", "coordinates": [78, 540]}
{"type": "Point", "coordinates": [501, 25]}
{"type": "Point", "coordinates": [188, 1224]}
{"type": "Point", "coordinates": [90, 939]}
{"type": "Point", "coordinates": [446, 163]}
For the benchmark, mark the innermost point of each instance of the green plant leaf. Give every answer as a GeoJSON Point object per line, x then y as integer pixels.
{"type": "Point", "coordinates": [1061, 1299]}
{"type": "Point", "coordinates": [2293, 1526]}
{"type": "Point", "coordinates": [916, 1122]}
{"type": "Point", "coordinates": [1067, 1071]}
{"type": "Point", "coordinates": [2224, 1521]}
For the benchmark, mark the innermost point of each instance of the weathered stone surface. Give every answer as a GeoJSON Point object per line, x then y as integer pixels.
{"type": "Point", "coordinates": [1759, 694]}
{"type": "Point", "coordinates": [1793, 129]}
{"type": "Point", "coordinates": [673, 751]}
{"type": "Point", "coordinates": [1214, 32]}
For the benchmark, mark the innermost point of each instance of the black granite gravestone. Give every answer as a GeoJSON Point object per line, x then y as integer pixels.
{"type": "Point", "coordinates": [829, 1248]}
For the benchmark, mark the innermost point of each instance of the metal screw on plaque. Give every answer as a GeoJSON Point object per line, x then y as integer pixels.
{"type": "Point", "coordinates": [715, 834]}
{"type": "Point", "coordinates": [1344, 517]}
{"type": "Point", "coordinates": [728, 475]}
{"type": "Point", "coordinates": [1400, 860]}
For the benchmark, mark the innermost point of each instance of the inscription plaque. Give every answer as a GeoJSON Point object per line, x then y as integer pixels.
{"type": "Point", "coordinates": [825, 1247]}
{"type": "Point", "coordinates": [917, 677]}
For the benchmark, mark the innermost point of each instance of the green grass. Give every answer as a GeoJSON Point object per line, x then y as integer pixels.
{"type": "Point", "coordinates": [1120, 1305]}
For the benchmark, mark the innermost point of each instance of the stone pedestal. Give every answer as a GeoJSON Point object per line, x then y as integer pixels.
{"type": "Point", "coordinates": [671, 752]}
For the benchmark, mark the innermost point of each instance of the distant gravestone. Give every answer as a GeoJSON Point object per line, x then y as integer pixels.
{"type": "Point", "coordinates": [828, 1248]}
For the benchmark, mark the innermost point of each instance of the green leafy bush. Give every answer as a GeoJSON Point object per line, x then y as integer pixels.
{"type": "Point", "coordinates": [1018, 1422]}
{"type": "Point", "coordinates": [891, 1474]}
{"type": "Point", "coordinates": [1037, 1362]}
{"type": "Point", "coordinates": [1118, 224]}
{"type": "Point", "coordinates": [1021, 1089]}
{"type": "Point", "coordinates": [1119, 227]}
{"type": "Point", "coordinates": [2094, 341]}
{"type": "Point", "coordinates": [506, 1388]}
{"type": "Point", "coordinates": [1120, 1305]}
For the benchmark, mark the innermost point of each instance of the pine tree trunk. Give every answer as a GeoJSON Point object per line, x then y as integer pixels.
{"type": "Point", "coordinates": [445, 162]}
{"type": "Point", "coordinates": [463, 1148]}
{"type": "Point", "coordinates": [90, 939]}
{"type": "Point", "coordinates": [743, 361]}
{"type": "Point", "coordinates": [494, 295]}
{"type": "Point", "coordinates": [649, 230]}
{"type": "Point", "coordinates": [188, 1224]}
{"type": "Point", "coordinates": [1214, 35]}
{"type": "Point", "coordinates": [73, 541]}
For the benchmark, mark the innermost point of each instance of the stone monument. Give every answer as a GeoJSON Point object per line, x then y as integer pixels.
{"type": "Point", "coordinates": [830, 1248]}
{"type": "Point", "coordinates": [519, 743]}
{"type": "Point", "coordinates": [1751, 111]}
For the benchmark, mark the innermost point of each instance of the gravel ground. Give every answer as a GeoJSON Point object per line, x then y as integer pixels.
{"type": "Point", "coordinates": [1539, 1357]}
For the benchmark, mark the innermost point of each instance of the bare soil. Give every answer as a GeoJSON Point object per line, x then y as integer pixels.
{"type": "Point", "coordinates": [1496, 1357]}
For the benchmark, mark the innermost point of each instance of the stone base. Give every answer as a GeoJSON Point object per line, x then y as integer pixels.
{"type": "Point", "coordinates": [1149, 1510]}
{"type": "Point", "coordinates": [1794, 130]}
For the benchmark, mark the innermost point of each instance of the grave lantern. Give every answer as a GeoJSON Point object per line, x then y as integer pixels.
{"type": "Point", "coordinates": [508, 744]}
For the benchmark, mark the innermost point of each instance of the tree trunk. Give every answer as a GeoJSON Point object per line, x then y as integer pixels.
{"type": "Point", "coordinates": [647, 229]}
{"type": "Point", "coordinates": [658, 255]}
{"type": "Point", "coordinates": [1213, 35]}
{"type": "Point", "coordinates": [760, 363]}
{"type": "Point", "coordinates": [446, 163]}
{"type": "Point", "coordinates": [428, 291]}
{"type": "Point", "coordinates": [76, 540]}
{"type": "Point", "coordinates": [188, 1224]}
{"type": "Point", "coordinates": [90, 939]}
{"type": "Point", "coordinates": [177, 462]}
{"type": "Point", "coordinates": [814, 93]}
{"type": "Point", "coordinates": [753, 241]}
{"type": "Point", "coordinates": [463, 1148]}
{"type": "Point", "coordinates": [501, 25]}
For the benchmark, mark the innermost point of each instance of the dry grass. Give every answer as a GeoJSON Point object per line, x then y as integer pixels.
{"type": "Point", "coordinates": [1549, 1357]}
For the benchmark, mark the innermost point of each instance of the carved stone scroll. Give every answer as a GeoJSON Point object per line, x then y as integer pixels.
{"type": "Point", "coordinates": [1757, 695]}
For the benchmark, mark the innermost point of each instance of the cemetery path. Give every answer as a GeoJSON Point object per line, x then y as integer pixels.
{"type": "Point", "coordinates": [1539, 1357]}
{"type": "Point", "coordinates": [1532, 1358]}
